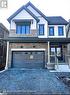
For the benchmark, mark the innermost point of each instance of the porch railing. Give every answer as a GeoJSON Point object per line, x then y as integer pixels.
{"type": "Point", "coordinates": [54, 60]}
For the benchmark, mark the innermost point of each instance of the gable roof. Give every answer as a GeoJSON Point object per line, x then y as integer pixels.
{"type": "Point", "coordinates": [52, 20]}
{"type": "Point", "coordinates": [19, 10]}
{"type": "Point", "coordinates": [56, 20]}
{"type": "Point", "coordinates": [25, 7]}
{"type": "Point", "coordinates": [31, 14]}
{"type": "Point", "coordinates": [29, 3]}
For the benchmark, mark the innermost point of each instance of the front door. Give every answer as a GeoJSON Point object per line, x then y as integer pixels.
{"type": "Point", "coordinates": [56, 54]}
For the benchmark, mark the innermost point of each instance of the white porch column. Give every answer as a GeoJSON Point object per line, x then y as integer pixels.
{"type": "Point", "coordinates": [7, 55]}
{"type": "Point", "coordinates": [48, 52]}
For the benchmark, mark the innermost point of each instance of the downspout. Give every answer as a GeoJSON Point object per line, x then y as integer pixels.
{"type": "Point", "coordinates": [68, 29]}
{"type": "Point", "coordinates": [36, 29]}
{"type": "Point", "coordinates": [68, 55]}
{"type": "Point", "coordinates": [7, 55]}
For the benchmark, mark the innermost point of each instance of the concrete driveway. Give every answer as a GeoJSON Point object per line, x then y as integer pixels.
{"type": "Point", "coordinates": [34, 81]}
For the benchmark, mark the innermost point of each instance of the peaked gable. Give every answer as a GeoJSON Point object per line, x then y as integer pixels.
{"type": "Point", "coordinates": [19, 10]}
{"type": "Point", "coordinates": [36, 9]}
{"type": "Point", "coordinates": [51, 20]}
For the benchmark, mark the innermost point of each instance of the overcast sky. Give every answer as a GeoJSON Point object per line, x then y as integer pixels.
{"type": "Point", "coordinates": [48, 7]}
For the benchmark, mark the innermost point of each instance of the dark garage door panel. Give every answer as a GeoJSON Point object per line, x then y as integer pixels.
{"type": "Point", "coordinates": [28, 59]}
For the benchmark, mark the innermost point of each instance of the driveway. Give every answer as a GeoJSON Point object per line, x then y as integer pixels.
{"type": "Point", "coordinates": [33, 81]}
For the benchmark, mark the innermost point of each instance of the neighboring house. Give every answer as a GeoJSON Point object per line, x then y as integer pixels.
{"type": "Point", "coordinates": [36, 40]}
{"type": "Point", "coordinates": [3, 34]}
{"type": "Point", "coordinates": [3, 31]}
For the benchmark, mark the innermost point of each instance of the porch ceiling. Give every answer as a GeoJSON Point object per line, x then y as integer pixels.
{"type": "Point", "coordinates": [36, 39]}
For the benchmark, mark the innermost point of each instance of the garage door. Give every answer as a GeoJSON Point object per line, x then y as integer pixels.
{"type": "Point", "coordinates": [28, 59]}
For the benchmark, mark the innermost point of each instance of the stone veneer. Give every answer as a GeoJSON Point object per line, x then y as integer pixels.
{"type": "Point", "coordinates": [33, 33]}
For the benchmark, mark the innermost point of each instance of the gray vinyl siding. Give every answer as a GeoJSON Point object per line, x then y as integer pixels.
{"type": "Point", "coordinates": [3, 32]}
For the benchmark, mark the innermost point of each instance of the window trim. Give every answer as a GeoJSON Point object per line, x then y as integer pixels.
{"type": "Point", "coordinates": [39, 29]}
{"type": "Point", "coordinates": [62, 31]}
{"type": "Point", "coordinates": [49, 30]}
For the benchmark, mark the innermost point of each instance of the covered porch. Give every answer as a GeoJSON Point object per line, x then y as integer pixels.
{"type": "Point", "coordinates": [58, 54]}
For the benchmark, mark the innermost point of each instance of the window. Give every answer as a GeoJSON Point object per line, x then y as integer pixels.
{"type": "Point", "coordinates": [23, 29]}
{"type": "Point", "coordinates": [55, 50]}
{"type": "Point", "coordinates": [41, 29]}
{"type": "Point", "coordinates": [52, 51]}
{"type": "Point", "coordinates": [58, 51]}
{"type": "Point", "coordinates": [27, 29]}
{"type": "Point", "coordinates": [60, 31]}
{"type": "Point", "coordinates": [18, 29]}
{"type": "Point", "coordinates": [51, 31]}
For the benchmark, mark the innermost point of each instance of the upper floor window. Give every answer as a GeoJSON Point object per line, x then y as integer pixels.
{"type": "Point", "coordinates": [22, 29]}
{"type": "Point", "coordinates": [51, 31]}
{"type": "Point", "coordinates": [60, 31]}
{"type": "Point", "coordinates": [18, 29]}
{"type": "Point", "coordinates": [41, 29]}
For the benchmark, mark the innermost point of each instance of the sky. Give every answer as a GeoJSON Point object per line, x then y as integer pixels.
{"type": "Point", "coordinates": [48, 7]}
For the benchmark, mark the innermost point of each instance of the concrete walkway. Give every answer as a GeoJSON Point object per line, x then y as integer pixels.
{"type": "Point", "coordinates": [61, 68]}
{"type": "Point", "coordinates": [35, 81]}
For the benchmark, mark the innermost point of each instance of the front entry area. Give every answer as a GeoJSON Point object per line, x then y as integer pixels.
{"type": "Point", "coordinates": [28, 59]}
{"type": "Point", "coordinates": [58, 53]}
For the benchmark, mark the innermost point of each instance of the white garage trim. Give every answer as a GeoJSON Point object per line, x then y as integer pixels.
{"type": "Point", "coordinates": [29, 49]}
{"type": "Point", "coordinates": [21, 59]}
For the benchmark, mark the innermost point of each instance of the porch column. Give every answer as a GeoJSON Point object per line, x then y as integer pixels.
{"type": "Point", "coordinates": [7, 55]}
{"type": "Point", "coordinates": [48, 52]}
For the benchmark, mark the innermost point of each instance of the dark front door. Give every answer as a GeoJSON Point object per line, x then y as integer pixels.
{"type": "Point", "coordinates": [28, 59]}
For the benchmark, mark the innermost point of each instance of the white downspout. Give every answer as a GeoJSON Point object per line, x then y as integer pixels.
{"type": "Point", "coordinates": [7, 53]}
{"type": "Point", "coordinates": [48, 52]}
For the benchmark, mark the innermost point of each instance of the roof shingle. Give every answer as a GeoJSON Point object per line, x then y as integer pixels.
{"type": "Point", "coordinates": [56, 20]}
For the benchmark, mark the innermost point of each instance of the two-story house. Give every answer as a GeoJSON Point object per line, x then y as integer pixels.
{"type": "Point", "coordinates": [3, 34]}
{"type": "Point", "coordinates": [35, 40]}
